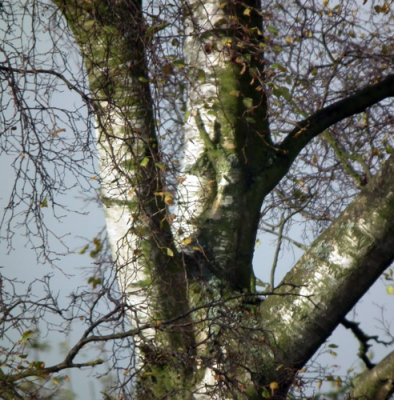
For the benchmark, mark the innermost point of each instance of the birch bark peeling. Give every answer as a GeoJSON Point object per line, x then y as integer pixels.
{"type": "Point", "coordinates": [332, 275]}
{"type": "Point", "coordinates": [229, 165]}
{"type": "Point", "coordinates": [226, 137]}
{"type": "Point", "coordinates": [113, 48]}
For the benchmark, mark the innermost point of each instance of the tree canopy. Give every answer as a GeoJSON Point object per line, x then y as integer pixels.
{"type": "Point", "coordinates": [214, 121]}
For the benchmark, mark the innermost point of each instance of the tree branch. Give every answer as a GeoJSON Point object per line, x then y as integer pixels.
{"type": "Point", "coordinates": [376, 383]}
{"type": "Point", "coordinates": [310, 127]}
{"type": "Point", "coordinates": [363, 339]}
{"type": "Point", "coordinates": [331, 277]}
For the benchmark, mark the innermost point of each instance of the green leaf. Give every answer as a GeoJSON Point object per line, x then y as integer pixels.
{"type": "Point", "coordinates": [44, 203]}
{"type": "Point", "coordinates": [178, 63]}
{"type": "Point", "coordinates": [83, 250]}
{"type": "Point", "coordinates": [156, 28]}
{"type": "Point", "coordinates": [161, 166]}
{"type": "Point", "coordinates": [279, 66]}
{"type": "Point", "coordinates": [281, 91]}
{"type": "Point", "coordinates": [220, 22]}
{"type": "Point", "coordinates": [89, 24]}
{"type": "Point", "coordinates": [37, 364]}
{"type": "Point", "coordinates": [272, 30]}
{"type": "Point", "coordinates": [235, 93]}
{"type": "Point", "coordinates": [170, 253]}
{"type": "Point", "coordinates": [145, 162]}
{"type": "Point", "coordinates": [109, 29]}
{"type": "Point", "coordinates": [98, 245]}
{"type": "Point", "coordinates": [95, 281]}
{"type": "Point", "coordinates": [26, 336]}
{"type": "Point", "coordinates": [95, 362]}
{"type": "Point", "coordinates": [201, 75]}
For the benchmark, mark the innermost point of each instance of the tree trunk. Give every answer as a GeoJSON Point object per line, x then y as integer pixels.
{"type": "Point", "coordinates": [192, 282]}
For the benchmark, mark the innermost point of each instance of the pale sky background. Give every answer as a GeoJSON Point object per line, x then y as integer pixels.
{"type": "Point", "coordinates": [21, 263]}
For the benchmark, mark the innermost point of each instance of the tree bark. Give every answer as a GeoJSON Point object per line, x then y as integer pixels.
{"type": "Point", "coordinates": [112, 40]}
{"type": "Point", "coordinates": [329, 279]}
{"type": "Point", "coordinates": [197, 273]}
{"type": "Point", "coordinates": [376, 383]}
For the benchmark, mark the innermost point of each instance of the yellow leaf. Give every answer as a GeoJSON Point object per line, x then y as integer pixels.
{"type": "Point", "coordinates": [289, 40]}
{"type": "Point", "coordinates": [390, 289]}
{"type": "Point", "coordinates": [247, 12]}
{"type": "Point", "coordinates": [170, 253]}
{"type": "Point", "coordinates": [274, 386]}
{"type": "Point", "coordinates": [187, 241]}
{"type": "Point", "coordinates": [168, 200]}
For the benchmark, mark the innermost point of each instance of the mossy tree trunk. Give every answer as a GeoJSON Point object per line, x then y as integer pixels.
{"type": "Point", "coordinates": [192, 281]}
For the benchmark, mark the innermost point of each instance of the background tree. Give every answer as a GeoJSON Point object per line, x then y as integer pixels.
{"type": "Point", "coordinates": [213, 118]}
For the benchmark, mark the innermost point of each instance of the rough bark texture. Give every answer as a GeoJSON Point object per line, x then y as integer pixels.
{"type": "Point", "coordinates": [226, 138]}
{"type": "Point", "coordinates": [331, 276]}
{"type": "Point", "coordinates": [198, 272]}
{"type": "Point", "coordinates": [376, 383]}
{"type": "Point", "coordinates": [111, 38]}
